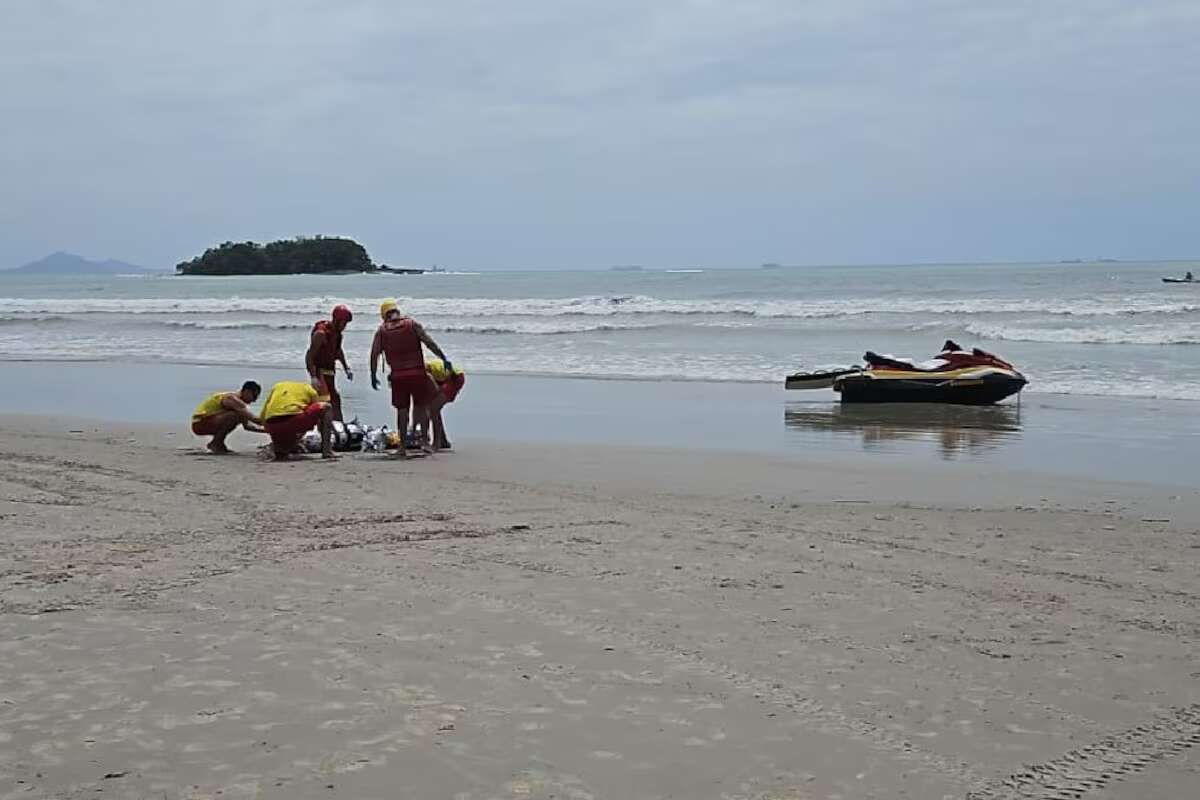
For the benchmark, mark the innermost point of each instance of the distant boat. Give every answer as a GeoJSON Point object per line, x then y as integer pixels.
{"type": "Point", "coordinates": [627, 268]}
{"type": "Point", "coordinates": [1185, 279]}
{"type": "Point", "coordinates": [400, 270]}
{"type": "Point", "coordinates": [770, 265]}
{"type": "Point", "coordinates": [684, 271]}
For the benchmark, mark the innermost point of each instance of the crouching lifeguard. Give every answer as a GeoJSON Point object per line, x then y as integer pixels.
{"type": "Point", "coordinates": [221, 412]}
{"type": "Point", "coordinates": [291, 410]}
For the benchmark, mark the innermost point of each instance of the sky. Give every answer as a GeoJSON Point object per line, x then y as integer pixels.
{"type": "Point", "coordinates": [581, 134]}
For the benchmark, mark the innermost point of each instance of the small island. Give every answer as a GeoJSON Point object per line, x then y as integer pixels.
{"type": "Point", "coordinates": [328, 255]}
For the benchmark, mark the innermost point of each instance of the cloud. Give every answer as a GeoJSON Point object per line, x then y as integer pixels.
{"type": "Point", "coordinates": [583, 133]}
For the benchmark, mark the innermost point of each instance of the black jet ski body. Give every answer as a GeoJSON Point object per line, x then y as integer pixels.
{"type": "Point", "coordinates": [972, 386]}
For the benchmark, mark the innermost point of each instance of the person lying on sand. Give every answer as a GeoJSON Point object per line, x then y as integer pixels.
{"type": "Point", "coordinates": [399, 341]}
{"type": "Point", "coordinates": [221, 412]}
{"type": "Point", "coordinates": [291, 410]}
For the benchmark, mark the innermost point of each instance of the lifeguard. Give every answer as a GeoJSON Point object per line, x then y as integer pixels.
{"type": "Point", "coordinates": [449, 381]}
{"type": "Point", "coordinates": [291, 410]}
{"type": "Point", "coordinates": [399, 340]}
{"type": "Point", "coordinates": [325, 351]}
{"type": "Point", "coordinates": [221, 412]}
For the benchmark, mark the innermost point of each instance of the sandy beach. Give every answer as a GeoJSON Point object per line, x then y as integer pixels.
{"type": "Point", "coordinates": [567, 622]}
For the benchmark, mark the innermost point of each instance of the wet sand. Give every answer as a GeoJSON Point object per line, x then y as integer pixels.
{"type": "Point", "coordinates": [583, 622]}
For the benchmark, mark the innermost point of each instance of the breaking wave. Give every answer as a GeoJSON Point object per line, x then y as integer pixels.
{"type": "Point", "coordinates": [31, 319]}
{"type": "Point", "coordinates": [499, 329]}
{"type": "Point", "coordinates": [612, 306]}
{"type": "Point", "coordinates": [1147, 334]}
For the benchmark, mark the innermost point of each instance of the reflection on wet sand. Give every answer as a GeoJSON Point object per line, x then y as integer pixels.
{"type": "Point", "coordinates": [956, 429]}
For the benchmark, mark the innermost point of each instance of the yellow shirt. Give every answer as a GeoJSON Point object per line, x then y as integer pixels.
{"type": "Point", "coordinates": [437, 370]}
{"type": "Point", "coordinates": [288, 397]}
{"type": "Point", "coordinates": [213, 404]}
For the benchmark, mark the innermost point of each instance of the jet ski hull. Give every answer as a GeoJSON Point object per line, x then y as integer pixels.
{"type": "Point", "coordinates": [965, 387]}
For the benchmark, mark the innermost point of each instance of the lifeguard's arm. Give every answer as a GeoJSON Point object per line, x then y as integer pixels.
{"type": "Point", "coordinates": [376, 351]}
{"type": "Point", "coordinates": [234, 403]}
{"type": "Point", "coordinates": [315, 343]}
{"type": "Point", "coordinates": [428, 340]}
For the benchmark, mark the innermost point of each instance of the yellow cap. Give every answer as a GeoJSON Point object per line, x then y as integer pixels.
{"type": "Point", "coordinates": [385, 307]}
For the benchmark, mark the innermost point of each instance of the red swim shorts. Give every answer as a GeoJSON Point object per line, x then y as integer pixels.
{"type": "Point", "coordinates": [418, 388]}
{"type": "Point", "coordinates": [453, 386]}
{"type": "Point", "coordinates": [206, 426]}
{"type": "Point", "coordinates": [287, 429]}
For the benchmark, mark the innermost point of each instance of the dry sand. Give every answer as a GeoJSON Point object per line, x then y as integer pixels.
{"type": "Point", "coordinates": [560, 622]}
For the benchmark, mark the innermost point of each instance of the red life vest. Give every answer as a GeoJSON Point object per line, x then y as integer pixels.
{"type": "Point", "coordinates": [402, 347]}
{"type": "Point", "coordinates": [326, 357]}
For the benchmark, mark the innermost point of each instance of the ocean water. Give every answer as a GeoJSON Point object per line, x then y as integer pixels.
{"type": "Point", "coordinates": [1109, 329]}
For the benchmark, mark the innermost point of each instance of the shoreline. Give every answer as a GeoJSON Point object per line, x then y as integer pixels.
{"type": "Point", "coordinates": [610, 621]}
{"type": "Point", "coordinates": [1035, 393]}
{"type": "Point", "coordinates": [1045, 434]}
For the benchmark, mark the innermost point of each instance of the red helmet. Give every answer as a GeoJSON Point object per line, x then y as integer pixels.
{"type": "Point", "coordinates": [342, 314]}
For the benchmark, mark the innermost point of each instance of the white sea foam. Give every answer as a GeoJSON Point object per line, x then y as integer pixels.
{"type": "Point", "coordinates": [612, 305]}
{"type": "Point", "coordinates": [550, 327]}
{"type": "Point", "coordinates": [1140, 334]}
{"type": "Point", "coordinates": [30, 319]}
{"type": "Point", "coordinates": [1160, 388]}
{"type": "Point", "coordinates": [218, 325]}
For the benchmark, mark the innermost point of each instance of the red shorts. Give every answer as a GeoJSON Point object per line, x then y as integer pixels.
{"type": "Point", "coordinates": [452, 387]}
{"type": "Point", "coordinates": [206, 426]}
{"type": "Point", "coordinates": [418, 388]}
{"type": "Point", "coordinates": [286, 431]}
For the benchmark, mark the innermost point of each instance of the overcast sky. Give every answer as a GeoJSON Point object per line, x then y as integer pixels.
{"type": "Point", "coordinates": [577, 133]}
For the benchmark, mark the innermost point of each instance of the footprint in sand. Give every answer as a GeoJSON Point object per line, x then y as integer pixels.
{"type": "Point", "coordinates": [536, 785]}
{"type": "Point", "coordinates": [790, 793]}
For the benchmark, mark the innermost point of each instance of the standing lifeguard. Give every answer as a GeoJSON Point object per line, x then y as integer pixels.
{"type": "Point", "coordinates": [325, 350]}
{"type": "Point", "coordinates": [399, 341]}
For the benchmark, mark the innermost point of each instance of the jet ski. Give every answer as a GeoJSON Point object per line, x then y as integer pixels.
{"type": "Point", "coordinates": [958, 376]}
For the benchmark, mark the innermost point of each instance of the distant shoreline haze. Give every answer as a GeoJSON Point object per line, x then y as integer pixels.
{"type": "Point", "coordinates": [63, 263]}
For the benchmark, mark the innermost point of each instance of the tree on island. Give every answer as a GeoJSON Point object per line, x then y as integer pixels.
{"type": "Point", "coordinates": [284, 257]}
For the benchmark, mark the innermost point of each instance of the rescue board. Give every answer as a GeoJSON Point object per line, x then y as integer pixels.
{"type": "Point", "coordinates": [822, 379]}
